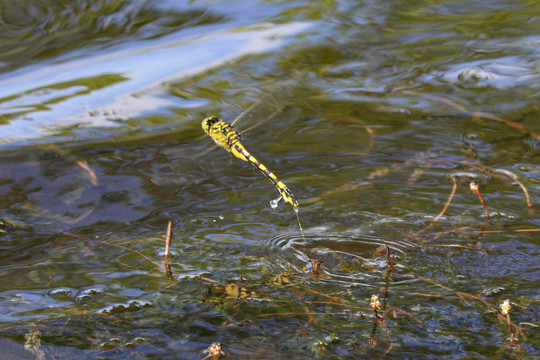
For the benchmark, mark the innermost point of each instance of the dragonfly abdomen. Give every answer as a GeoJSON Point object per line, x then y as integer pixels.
{"type": "Point", "coordinates": [283, 190]}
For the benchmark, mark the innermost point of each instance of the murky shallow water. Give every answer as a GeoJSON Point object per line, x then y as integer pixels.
{"type": "Point", "coordinates": [391, 111]}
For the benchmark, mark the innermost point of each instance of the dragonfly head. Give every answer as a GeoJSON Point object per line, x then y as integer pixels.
{"type": "Point", "coordinates": [208, 123]}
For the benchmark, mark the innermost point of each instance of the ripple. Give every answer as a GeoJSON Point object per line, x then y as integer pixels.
{"type": "Point", "coordinates": [464, 176]}
{"type": "Point", "coordinates": [61, 293]}
{"type": "Point", "coordinates": [128, 306]}
{"type": "Point", "coordinates": [501, 73]}
{"type": "Point", "coordinates": [345, 256]}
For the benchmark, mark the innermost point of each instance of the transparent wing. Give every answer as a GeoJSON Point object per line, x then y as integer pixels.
{"type": "Point", "coordinates": [266, 108]}
{"type": "Point", "coordinates": [270, 116]}
{"type": "Point", "coordinates": [244, 113]}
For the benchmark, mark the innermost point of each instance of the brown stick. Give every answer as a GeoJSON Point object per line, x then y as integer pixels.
{"type": "Point", "coordinates": [510, 333]}
{"type": "Point", "coordinates": [476, 191]}
{"type": "Point", "coordinates": [389, 265]}
{"type": "Point", "coordinates": [168, 239]}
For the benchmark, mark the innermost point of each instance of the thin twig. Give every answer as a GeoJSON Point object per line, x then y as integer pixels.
{"type": "Point", "coordinates": [523, 188]}
{"type": "Point", "coordinates": [454, 187]}
{"type": "Point", "coordinates": [433, 97]}
{"type": "Point", "coordinates": [168, 239]}
{"type": "Point", "coordinates": [506, 231]}
{"type": "Point", "coordinates": [330, 193]}
{"type": "Point", "coordinates": [367, 128]}
{"type": "Point", "coordinates": [88, 169]}
{"type": "Point", "coordinates": [475, 114]}
{"type": "Point", "coordinates": [375, 304]}
{"type": "Point", "coordinates": [93, 180]}
{"type": "Point", "coordinates": [476, 191]}
{"type": "Point", "coordinates": [452, 246]}
{"type": "Point", "coordinates": [460, 294]}
{"type": "Point", "coordinates": [387, 351]}
{"type": "Point", "coordinates": [311, 318]}
{"type": "Point", "coordinates": [500, 174]}
{"type": "Point", "coordinates": [114, 245]}
{"type": "Point", "coordinates": [505, 311]}
{"type": "Point", "coordinates": [131, 250]}
{"type": "Point", "coordinates": [389, 264]}
{"type": "Point", "coordinates": [513, 124]}
{"type": "Point", "coordinates": [450, 197]}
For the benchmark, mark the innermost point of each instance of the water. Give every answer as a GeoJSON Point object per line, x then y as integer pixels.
{"type": "Point", "coordinates": [391, 109]}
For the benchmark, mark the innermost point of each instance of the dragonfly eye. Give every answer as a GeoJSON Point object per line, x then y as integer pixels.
{"type": "Point", "coordinates": [209, 122]}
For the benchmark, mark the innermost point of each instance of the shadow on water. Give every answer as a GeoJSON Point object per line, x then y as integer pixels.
{"type": "Point", "coordinates": [409, 136]}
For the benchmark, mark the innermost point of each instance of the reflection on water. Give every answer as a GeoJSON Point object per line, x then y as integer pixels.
{"type": "Point", "coordinates": [114, 89]}
{"type": "Point", "coordinates": [394, 113]}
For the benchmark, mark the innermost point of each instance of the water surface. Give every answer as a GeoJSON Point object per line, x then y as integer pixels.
{"type": "Point", "coordinates": [389, 112]}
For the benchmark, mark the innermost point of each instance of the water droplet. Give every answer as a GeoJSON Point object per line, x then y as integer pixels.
{"type": "Point", "coordinates": [274, 203]}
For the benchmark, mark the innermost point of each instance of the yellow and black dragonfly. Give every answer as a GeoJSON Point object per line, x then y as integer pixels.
{"type": "Point", "coordinates": [226, 136]}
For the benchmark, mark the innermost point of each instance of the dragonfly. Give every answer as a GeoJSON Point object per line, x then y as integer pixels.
{"type": "Point", "coordinates": [226, 136]}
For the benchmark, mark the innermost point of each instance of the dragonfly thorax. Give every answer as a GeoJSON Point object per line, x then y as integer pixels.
{"type": "Point", "coordinates": [222, 133]}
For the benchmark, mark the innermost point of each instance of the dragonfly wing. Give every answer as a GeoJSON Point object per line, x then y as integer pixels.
{"type": "Point", "coordinates": [272, 115]}
{"type": "Point", "coordinates": [244, 113]}
{"type": "Point", "coordinates": [204, 152]}
{"type": "Point", "coordinates": [261, 106]}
